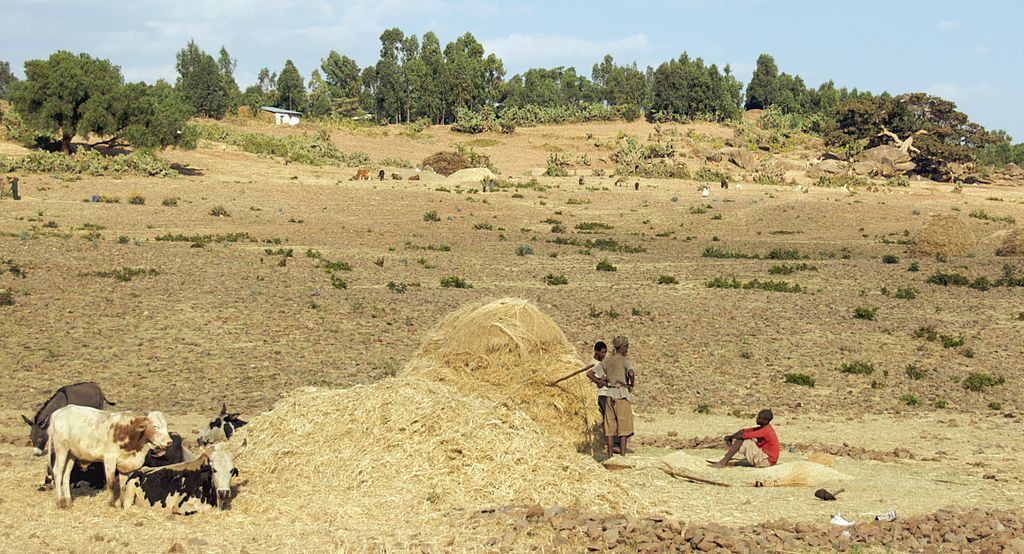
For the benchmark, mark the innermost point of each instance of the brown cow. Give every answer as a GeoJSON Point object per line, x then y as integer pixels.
{"type": "Point", "coordinates": [363, 174]}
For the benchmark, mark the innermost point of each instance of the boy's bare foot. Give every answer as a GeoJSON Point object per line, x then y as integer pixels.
{"type": "Point", "coordinates": [718, 465]}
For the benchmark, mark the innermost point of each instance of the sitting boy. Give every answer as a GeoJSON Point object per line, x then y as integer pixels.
{"type": "Point", "coordinates": [758, 445]}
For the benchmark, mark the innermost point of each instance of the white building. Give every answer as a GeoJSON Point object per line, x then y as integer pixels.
{"type": "Point", "coordinates": [283, 117]}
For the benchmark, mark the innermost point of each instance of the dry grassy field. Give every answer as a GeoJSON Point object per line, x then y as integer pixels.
{"type": "Point", "coordinates": [249, 314]}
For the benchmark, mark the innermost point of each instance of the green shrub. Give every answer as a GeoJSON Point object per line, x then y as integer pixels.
{"type": "Point", "coordinates": [593, 226]}
{"type": "Point", "coordinates": [170, 202]}
{"type": "Point", "coordinates": [6, 298]}
{"type": "Point", "coordinates": [667, 280]}
{"type": "Point", "coordinates": [928, 333]}
{"type": "Point", "coordinates": [337, 282]}
{"type": "Point", "coordinates": [483, 226]}
{"type": "Point", "coordinates": [124, 274]}
{"type": "Point", "coordinates": [905, 293]}
{"type": "Point", "coordinates": [787, 269]}
{"type": "Point", "coordinates": [605, 265]}
{"type": "Point", "coordinates": [857, 368]}
{"type": "Point", "coordinates": [454, 282]}
{"type": "Point", "coordinates": [431, 216]}
{"type": "Point", "coordinates": [701, 209]}
{"type": "Point", "coordinates": [317, 149]}
{"type": "Point", "coordinates": [800, 379]}
{"type": "Point", "coordinates": [555, 280]}
{"type": "Point", "coordinates": [977, 382]}
{"type": "Point", "coordinates": [524, 250]}
{"type": "Point", "coordinates": [940, 404]}
{"type": "Point", "coordinates": [890, 259]}
{"type": "Point", "coordinates": [862, 312]}
{"type": "Point", "coordinates": [89, 162]}
{"type": "Point", "coordinates": [558, 165]}
{"type": "Point", "coordinates": [949, 341]}
{"type": "Point", "coordinates": [948, 279]}
{"type": "Point", "coordinates": [914, 267]}
{"type": "Point", "coordinates": [785, 254]}
{"type": "Point", "coordinates": [136, 199]}
{"type": "Point", "coordinates": [720, 252]}
{"type": "Point", "coordinates": [723, 283]}
{"type": "Point", "coordinates": [915, 373]}
{"type": "Point", "coordinates": [910, 400]}
{"type": "Point", "coordinates": [220, 211]}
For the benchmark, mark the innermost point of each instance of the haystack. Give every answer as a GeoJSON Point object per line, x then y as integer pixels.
{"type": "Point", "coordinates": [471, 175]}
{"type": "Point", "coordinates": [943, 235]}
{"type": "Point", "coordinates": [404, 453]}
{"type": "Point", "coordinates": [508, 351]}
{"type": "Point", "coordinates": [1013, 243]}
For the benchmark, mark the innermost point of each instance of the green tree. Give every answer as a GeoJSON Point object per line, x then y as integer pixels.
{"type": "Point", "coordinates": [342, 76]}
{"type": "Point", "coordinates": [434, 98]}
{"type": "Point", "coordinates": [390, 89]}
{"type": "Point", "coordinates": [7, 78]}
{"type": "Point", "coordinates": [320, 102]}
{"type": "Point", "coordinates": [68, 95]}
{"type": "Point", "coordinates": [685, 89]}
{"type": "Point", "coordinates": [227, 66]}
{"type": "Point", "coordinates": [151, 117]}
{"type": "Point", "coordinates": [200, 82]}
{"type": "Point", "coordinates": [763, 89]}
{"type": "Point", "coordinates": [291, 91]}
{"type": "Point", "coordinates": [267, 81]}
{"type": "Point", "coordinates": [253, 98]}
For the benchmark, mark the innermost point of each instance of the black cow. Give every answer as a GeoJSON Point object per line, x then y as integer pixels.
{"type": "Point", "coordinates": [80, 394]}
{"type": "Point", "coordinates": [221, 428]}
{"type": "Point", "coordinates": [185, 488]}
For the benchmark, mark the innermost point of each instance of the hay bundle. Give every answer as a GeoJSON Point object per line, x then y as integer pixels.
{"type": "Point", "coordinates": [508, 351]}
{"type": "Point", "coordinates": [943, 235]}
{"type": "Point", "coordinates": [789, 474]}
{"type": "Point", "coordinates": [403, 453]}
{"type": "Point", "coordinates": [821, 458]}
{"type": "Point", "coordinates": [1013, 243]}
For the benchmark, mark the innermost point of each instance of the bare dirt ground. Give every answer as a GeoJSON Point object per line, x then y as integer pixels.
{"type": "Point", "coordinates": [229, 322]}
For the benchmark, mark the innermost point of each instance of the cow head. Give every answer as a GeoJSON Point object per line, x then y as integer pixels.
{"type": "Point", "coordinates": [154, 431]}
{"type": "Point", "coordinates": [222, 462]}
{"type": "Point", "coordinates": [221, 428]}
{"type": "Point", "coordinates": [37, 434]}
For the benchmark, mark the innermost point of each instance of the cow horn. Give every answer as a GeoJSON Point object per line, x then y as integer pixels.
{"type": "Point", "coordinates": [241, 449]}
{"type": "Point", "coordinates": [224, 408]}
{"type": "Point", "coordinates": [27, 420]}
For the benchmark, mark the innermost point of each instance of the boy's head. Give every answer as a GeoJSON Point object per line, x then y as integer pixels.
{"type": "Point", "coordinates": [600, 350]}
{"type": "Point", "coordinates": [764, 417]}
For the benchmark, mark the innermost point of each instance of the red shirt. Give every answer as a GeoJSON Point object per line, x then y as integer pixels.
{"type": "Point", "coordinates": [766, 441]}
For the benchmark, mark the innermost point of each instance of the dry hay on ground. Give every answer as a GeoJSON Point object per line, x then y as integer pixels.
{"type": "Point", "coordinates": [788, 474]}
{"type": "Point", "coordinates": [944, 235]}
{"type": "Point", "coordinates": [1013, 243]}
{"type": "Point", "coordinates": [446, 163]}
{"type": "Point", "coordinates": [407, 453]}
{"type": "Point", "coordinates": [508, 351]}
{"type": "Point", "coordinates": [471, 175]}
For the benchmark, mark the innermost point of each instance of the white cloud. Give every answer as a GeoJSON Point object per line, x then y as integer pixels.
{"type": "Point", "coordinates": [948, 25]}
{"type": "Point", "coordinates": [522, 51]}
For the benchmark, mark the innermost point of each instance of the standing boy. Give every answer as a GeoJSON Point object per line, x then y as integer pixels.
{"type": "Point", "coordinates": [597, 375]}
{"type": "Point", "coordinates": [758, 445]}
{"type": "Point", "coordinates": [618, 415]}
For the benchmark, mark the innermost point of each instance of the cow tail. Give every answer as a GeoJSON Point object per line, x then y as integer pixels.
{"type": "Point", "coordinates": [107, 400]}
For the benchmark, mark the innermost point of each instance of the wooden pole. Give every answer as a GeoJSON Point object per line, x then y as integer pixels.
{"type": "Point", "coordinates": [573, 374]}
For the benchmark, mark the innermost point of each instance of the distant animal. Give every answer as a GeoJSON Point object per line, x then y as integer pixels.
{"type": "Point", "coordinates": [620, 181]}
{"type": "Point", "coordinates": [363, 174]}
{"type": "Point", "coordinates": [706, 191]}
{"type": "Point", "coordinates": [187, 488]}
{"type": "Point", "coordinates": [636, 185]}
{"type": "Point", "coordinates": [581, 180]}
{"type": "Point", "coordinates": [415, 178]}
{"type": "Point", "coordinates": [380, 175]}
{"type": "Point", "coordinates": [396, 177]}
{"type": "Point", "coordinates": [221, 428]}
{"type": "Point", "coordinates": [86, 393]}
{"type": "Point", "coordinates": [725, 183]}
{"type": "Point", "coordinates": [120, 440]}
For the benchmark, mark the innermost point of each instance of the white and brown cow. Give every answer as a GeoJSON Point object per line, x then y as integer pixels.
{"type": "Point", "coordinates": [186, 488]}
{"type": "Point", "coordinates": [120, 440]}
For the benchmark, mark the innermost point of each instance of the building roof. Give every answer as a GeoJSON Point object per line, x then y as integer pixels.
{"type": "Point", "coordinates": [272, 109]}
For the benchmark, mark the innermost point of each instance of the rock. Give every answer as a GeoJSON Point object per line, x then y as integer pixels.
{"type": "Point", "coordinates": [673, 433]}
{"type": "Point", "coordinates": [535, 512]}
{"type": "Point", "coordinates": [611, 536]}
{"type": "Point", "coordinates": [176, 547]}
{"type": "Point", "coordinates": [741, 157]}
{"type": "Point", "coordinates": [509, 537]}
{"type": "Point", "coordinates": [1017, 546]}
{"type": "Point", "coordinates": [706, 545]}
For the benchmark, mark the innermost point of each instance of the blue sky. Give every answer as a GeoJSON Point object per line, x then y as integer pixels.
{"type": "Point", "coordinates": [968, 52]}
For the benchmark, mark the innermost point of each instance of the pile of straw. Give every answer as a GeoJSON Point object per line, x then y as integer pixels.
{"type": "Point", "coordinates": [1013, 243]}
{"type": "Point", "coordinates": [943, 235]}
{"type": "Point", "coordinates": [788, 474]}
{"type": "Point", "coordinates": [407, 453]}
{"type": "Point", "coordinates": [508, 351]}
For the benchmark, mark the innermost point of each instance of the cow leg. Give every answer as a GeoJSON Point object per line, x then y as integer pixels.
{"type": "Point", "coordinates": [110, 469]}
{"type": "Point", "coordinates": [59, 459]}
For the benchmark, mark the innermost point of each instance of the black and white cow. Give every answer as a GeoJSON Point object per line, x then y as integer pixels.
{"type": "Point", "coordinates": [187, 488]}
{"type": "Point", "coordinates": [221, 428]}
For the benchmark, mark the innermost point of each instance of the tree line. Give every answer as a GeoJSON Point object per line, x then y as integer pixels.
{"type": "Point", "coordinates": [416, 80]}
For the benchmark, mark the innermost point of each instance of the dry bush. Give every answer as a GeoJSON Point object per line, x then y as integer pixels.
{"type": "Point", "coordinates": [446, 163]}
